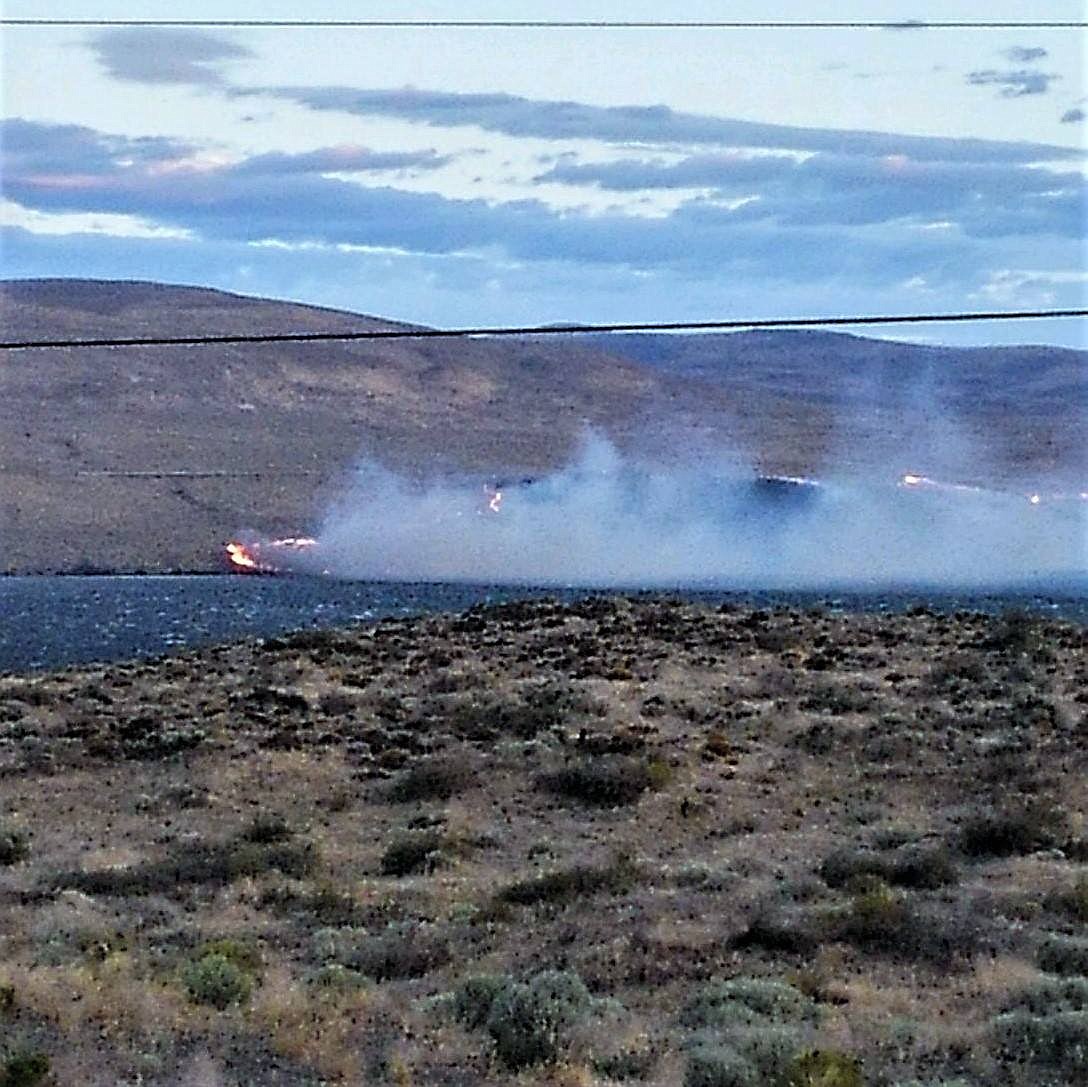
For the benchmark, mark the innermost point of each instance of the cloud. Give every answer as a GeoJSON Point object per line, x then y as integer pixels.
{"type": "Point", "coordinates": [342, 159]}
{"type": "Point", "coordinates": [1072, 116]}
{"type": "Point", "coordinates": [982, 198]}
{"type": "Point", "coordinates": [512, 115]}
{"type": "Point", "coordinates": [164, 55]}
{"type": "Point", "coordinates": [1021, 54]}
{"type": "Point", "coordinates": [827, 230]}
{"type": "Point", "coordinates": [1014, 83]}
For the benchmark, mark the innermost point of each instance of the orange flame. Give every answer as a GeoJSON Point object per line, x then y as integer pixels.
{"type": "Point", "coordinates": [241, 557]}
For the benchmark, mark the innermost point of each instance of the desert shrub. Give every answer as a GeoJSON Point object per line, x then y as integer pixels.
{"type": "Point", "coordinates": [402, 951]}
{"type": "Point", "coordinates": [1051, 994]}
{"type": "Point", "coordinates": [744, 1002]}
{"type": "Point", "coordinates": [1065, 955]}
{"type": "Point", "coordinates": [244, 954]}
{"type": "Point", "coordinates": [541, 707]}
{"type": "Point", "coordinates": [419, 851]}
{"type": "Point", "coordinates": [267, 829]}
{"type": "Point", "coordinates": [1014, 830]}
{"type": "Point", "coordinates": [568, 884]}
{"type": "Point", "coordinates": [215, 980]}
{"type": "Point", "coordinates": [323, 903]}
{"type": "Point", "coordinates": [715, 1064]}
{"type": "Point", "coordinates": [780, 932]}
{"type": "Point", "coordinates": [881, 921]}
{"type": "Point", "coordinates": [607, 781]}
{"type": "Point", "coordinates": [626, 1063]}
{"type": "Point", "coordinates": [211, 863]}
{"type": "Point", "coordinates": [1073, 902]}
{"type": "Point", "coordinates": [14, 846]}
{"type": "Point", "coordinates": [920, 867]}
{"type": "Point", "coordinates": [430, 779]}
{"type": "Point", "coordinates": [1058, 1040]}
{"type": "Point", "coordinates": [824, 1068]}
{"type": "Point", "coordinates": [472, 999]}
{"type": "Point", "coordinates": [529, 1022]}
{"type": "Point", "coordinates": [24, 1068]}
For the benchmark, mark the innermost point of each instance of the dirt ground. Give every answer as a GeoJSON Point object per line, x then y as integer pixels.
{"type": "Point", "coordinates": [616, 841]}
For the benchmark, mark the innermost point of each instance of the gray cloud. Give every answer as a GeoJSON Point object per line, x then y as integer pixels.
{"type": "Point", "coordinates": [345, 159]}
{"type": "Point", "coordinates": [1013, 83]}
{"type": "Point", "coordinates": [982, 198]}
{"type": "Point", "coordinates": [165, 55]}
{"type": "Point", "coordinates": [1072, 116]}
{"type": "Point", "coordinates": [553, 120]}
{"type": "Point", "coordinates": [832, 224]}
{"type": "Point", "coordinates": [1024, 54]}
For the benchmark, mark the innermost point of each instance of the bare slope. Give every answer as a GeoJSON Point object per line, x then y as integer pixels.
{"type": "Point", "coordinates": [87, 434]}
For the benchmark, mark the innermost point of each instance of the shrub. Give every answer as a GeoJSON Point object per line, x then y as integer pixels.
{"type": "Point", "coordinates": [14, 846]}
{"type": "Point", "coordinates": [607, 781]}
{"type": "Point", "coordinates": [24, 1068]}
{"type": "Point", "coordinates": [415, 852]}
{"type": "Point", "coordinates": [1059, 1040]}
{"type": "Point", "coordinates": [529, 1022]}
{"type": "Point", "coordinates": [1052, 994]}
{"type": "Point", "coordinates": [745, 1001]}
{"type": "Point", "coordinates": [473, 998]}
{"type": "Point", "coordinates": [430, 779]}
{"type": "Point", "coordinates": [1015, 830]}
{"type": "Point", "coordinates": [1063, 955]}
{"type": "Point", "coordinates": [919, 867]}
{"type": "Point", "coordinates": [824, 1068]}
{"type": "Point", "coordinates": [567, 884]}
{"type": "Point", "coordinates": [214, 979]}
{"type": "Point", "coordinates": [267, 829]}
{"type": "Point", "coordinates": [713, 1064]}
{"type": "Point", "coordinates": [1073, 902]}
{"type": "Point", "coordinates": [402, 951]}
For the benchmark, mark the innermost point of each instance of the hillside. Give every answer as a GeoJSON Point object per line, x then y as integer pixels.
{"type": "Point", "coordinates": [90, 436]}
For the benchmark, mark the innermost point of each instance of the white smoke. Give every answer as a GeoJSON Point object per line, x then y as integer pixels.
{"type": "Point", "coordinates": [606, 521]}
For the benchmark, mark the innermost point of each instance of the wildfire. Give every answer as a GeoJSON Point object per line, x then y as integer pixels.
{"type": "Point", "coordinates": [265, 557]}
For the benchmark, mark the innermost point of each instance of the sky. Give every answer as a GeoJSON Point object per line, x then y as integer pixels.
{"type": "Point", "coordinates": [530, 176]}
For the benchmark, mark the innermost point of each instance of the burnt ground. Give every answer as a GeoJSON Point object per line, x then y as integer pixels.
{"type": "Point", "coordinates": [613, 841]}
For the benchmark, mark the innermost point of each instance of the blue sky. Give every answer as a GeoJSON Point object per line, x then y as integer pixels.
{"type": "Point", "coordinates": [532, 176]}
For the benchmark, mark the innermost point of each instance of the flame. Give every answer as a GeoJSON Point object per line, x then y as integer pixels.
{"type": "Point", "coordinates": [495, 503]}
{"type": "Point", "coordinates": [241, 556]}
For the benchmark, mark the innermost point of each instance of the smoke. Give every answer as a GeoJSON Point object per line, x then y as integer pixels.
{"type": "Point", "coordinates": [607, 520]}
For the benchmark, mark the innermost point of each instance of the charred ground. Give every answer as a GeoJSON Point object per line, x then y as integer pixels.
{"type": "Point", "coordinates": [622, 840]}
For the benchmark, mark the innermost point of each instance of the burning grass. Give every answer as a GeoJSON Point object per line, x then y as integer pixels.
{"type": "Point", "coordinates": [614, 841]}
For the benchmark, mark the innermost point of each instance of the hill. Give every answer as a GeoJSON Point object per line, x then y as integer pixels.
{"type": "Point", "coordinates": [148, 458]}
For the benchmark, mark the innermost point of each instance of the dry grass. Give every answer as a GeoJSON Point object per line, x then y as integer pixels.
{"type": "Point", "coordinates": [651, 796]}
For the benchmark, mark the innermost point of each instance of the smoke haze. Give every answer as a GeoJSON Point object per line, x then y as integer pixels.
{"type": "Point", "coordinates": [608, 521]}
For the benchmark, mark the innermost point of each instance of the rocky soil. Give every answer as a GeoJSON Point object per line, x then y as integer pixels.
{"type": "Point", "coordinates": [616, 841]}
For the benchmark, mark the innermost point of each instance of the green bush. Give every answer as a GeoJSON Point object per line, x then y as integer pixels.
{"type": "Point", "coordinates": [744, 1002]}
{"type": "Point", "coordinates": [402, 951]}
{"type": "Point", "coordinates": [824, 1068]}
{"type": "Point", "coordinates": [529, 1022]}
{"type": "Point", "coordinates": [1065, 955]}
{"type": "Point", "coordinates": [472, 999]}
{"type": "Point", "coordinates": [214, 979]}
{"type": "Point", "coordinates": [1073, 902]}
{"type": "Point", "coordinates": [24, 1068]}
{"type": "Point", "coordinates": [14, 846]}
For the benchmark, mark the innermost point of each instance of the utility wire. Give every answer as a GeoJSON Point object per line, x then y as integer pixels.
{"type": "Point", "coordinates": [542, 330]}
{"type": "Point", "coordinates": [571, 24]}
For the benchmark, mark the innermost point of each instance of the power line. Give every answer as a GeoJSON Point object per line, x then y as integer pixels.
{"type": "Point", "coordinates": [568, 24]}
{"type": "Point", "coordinates": [543, 330]}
